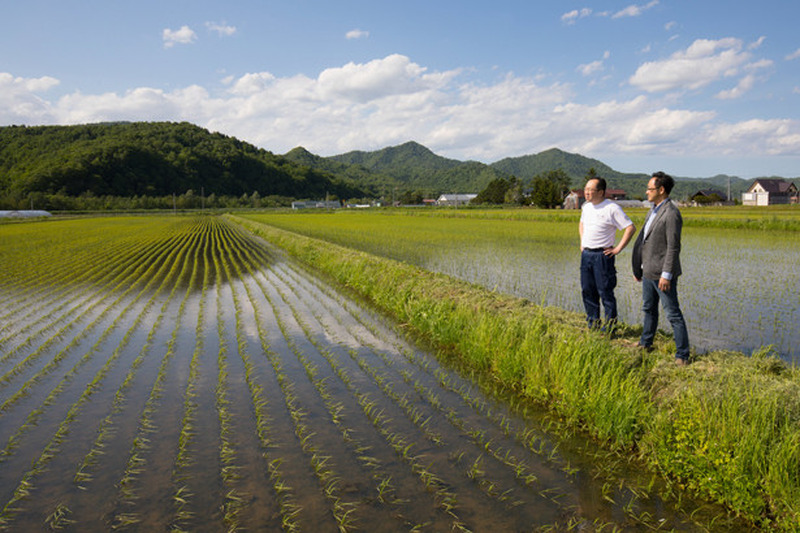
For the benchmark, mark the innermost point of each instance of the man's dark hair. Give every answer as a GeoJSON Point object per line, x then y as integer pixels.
{"type": "Point", "coordinates": [664, 180]}
{"type": "Point", "coordinates": [601, 183]}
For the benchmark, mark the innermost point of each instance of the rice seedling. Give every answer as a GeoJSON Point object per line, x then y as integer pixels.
{"type": "Point", "coordinates": [533, 255]}
{"type": "Point", "coordinates": [23, 489]}
{"type": "Point", "coordinates": [576, 375]}
{"type": "Point", "coordinates": [137, 458]}
{"type": "Point", "coordinates": [232, 388]}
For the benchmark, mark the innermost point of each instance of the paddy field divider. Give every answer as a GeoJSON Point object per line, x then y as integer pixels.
{"type": "Point", "coordinates": [726, 427]}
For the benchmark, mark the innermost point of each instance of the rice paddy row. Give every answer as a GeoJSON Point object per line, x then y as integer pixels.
{"type": "Point", "coordinates": [726, 427]}
{"type": "Point", "coordinates": [179, 373]}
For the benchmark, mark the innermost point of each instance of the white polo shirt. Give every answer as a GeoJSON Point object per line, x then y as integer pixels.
{"type": "Point", "coordinates": [601, 222]}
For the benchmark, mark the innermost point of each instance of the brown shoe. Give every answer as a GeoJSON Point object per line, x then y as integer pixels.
{"type": "Point", "coordinates": [681, 362]}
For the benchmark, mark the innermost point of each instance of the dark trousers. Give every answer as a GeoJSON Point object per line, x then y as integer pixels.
{"type": "Point", "coordinates": [651, 295]}
{"type": "Point", "coordinates": [598, 280]}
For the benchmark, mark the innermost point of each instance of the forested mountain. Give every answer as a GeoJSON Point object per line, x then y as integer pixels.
{"type": "Point", "coordinates": [576, 166]}
{"type": "Point", "coordinates": [403, 162]}
{"type": "Point", "coordinates": [370, 179]}
{"type": "Point", "coordinates": [152, 159]}
{"type": "Point", "coordinates": [414, 166]}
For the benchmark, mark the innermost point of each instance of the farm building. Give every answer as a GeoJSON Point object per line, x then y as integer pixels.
{"type": "Point", "coordinates": [708, 197]}
{"type": "Point", "coordinates": [455, 199]}
{"type": "Point", "coordinates": [316, 204]}
{"type": "Point", "coordinates": [28, 213]}
{"type": "Point", "coordinates": [575, 198]}
{"type": "Point", "coordinates": [770, 191]}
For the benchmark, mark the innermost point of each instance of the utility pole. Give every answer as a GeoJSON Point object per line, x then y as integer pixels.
{"type": "Point", "coordinates": [729, 189]}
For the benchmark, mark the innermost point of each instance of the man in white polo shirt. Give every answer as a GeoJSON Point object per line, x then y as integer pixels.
{"type": "Point", "coordinates": [600, 220]}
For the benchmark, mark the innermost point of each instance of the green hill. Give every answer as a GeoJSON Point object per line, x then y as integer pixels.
{"type": "Point", "coordinates": [160, 159]}
{"type": "Point", "coordinates": [151, 159]}
{"type": "Point", "coordinates": [403, 162]}
{"type": "Point", "coordinates": [576, 166]}
{"type": "Point", "coordinates": [413, 166]}
{"type": "Point", "coordinates": [368, 179]}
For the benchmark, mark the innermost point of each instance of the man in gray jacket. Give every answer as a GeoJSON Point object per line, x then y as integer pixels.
{"type": "Point", "coordinates": [656, 263]}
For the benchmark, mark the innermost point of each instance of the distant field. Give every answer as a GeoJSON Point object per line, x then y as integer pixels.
{"type": "Point", "coordinates": [736, 261]}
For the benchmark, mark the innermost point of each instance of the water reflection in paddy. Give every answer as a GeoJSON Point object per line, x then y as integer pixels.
{"type": "Point", "coordinates": [736, 293]}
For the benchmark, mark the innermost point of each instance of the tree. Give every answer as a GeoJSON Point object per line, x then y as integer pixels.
{"type": "Point", "coordinates": [549, 189]}
{"type": "Point", "coordinates": [494, 193]}
{"type": "Point", "coordinates": [411, 198]}
{"type": "Point", "coordinates": [514, 193]}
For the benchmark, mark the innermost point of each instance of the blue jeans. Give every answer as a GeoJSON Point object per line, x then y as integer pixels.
{"type": "Point", "coordinates": [651, 294]}
{"type": "Point", "coordinates": [598, 280]}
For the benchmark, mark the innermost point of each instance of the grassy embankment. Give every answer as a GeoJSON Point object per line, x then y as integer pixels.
{"type": "Point", "coordinates": [727, 427]}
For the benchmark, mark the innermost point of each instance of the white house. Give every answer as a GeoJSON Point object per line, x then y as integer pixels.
{"type": "Point", "coordinates": [455, 199]}
{"type": "Point", "coordinates": [770, 191]}
{"type": "Point", "coordinates": [316, 204]}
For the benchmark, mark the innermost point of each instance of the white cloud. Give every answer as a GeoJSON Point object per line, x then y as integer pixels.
{"type": "Point", "coordinates": [704, 62]}
{"type": "Point", "coordinates": [590, 68]}
{"type": "Point", "coordinates": [764, 137]}
{"type": "Point", "coordinates": [395, 74]}
{"type": "Point", "coordinates": [184, 35]}
{"type": "Point", "coordinates": [571, 16]}
{"type": "Point", "coordinates": [761, 63]}
{"type": "Point", "coordinates": [756, 44]}
{"type": "Point", "coordinates": [20, 102]}
{"type": "Point", "coordinates": [595, 66]}
{"type": "Point", "coordinates": [356, 34]}
{"type": "Point", "coordinates": [14, 84]}
{"type": "Point", "coordinates": [223, 30]}
{"type": "Point", "coordinates": [669, 26]}
{"type": "Point", "coordinates": [634, 10]}
{"type": "Point", "coordinates": [793, 55]}
{"type": "Point", "coordinates": [745, 84]}
{"type": "Point", "coordinates": [391, 100]}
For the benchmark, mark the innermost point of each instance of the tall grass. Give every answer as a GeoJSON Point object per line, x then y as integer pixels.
{"type": "Point", "coordinates": [727, 427]}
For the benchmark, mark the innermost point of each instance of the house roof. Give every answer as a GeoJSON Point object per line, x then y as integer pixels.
{"type": "Point", "coordinates": [709, 192]}
{"type": "Point", "coordinates": [609, 192]}
{"type": "Point", "coordinates": [459, 197]}
{"type": "Point", "coordinates": [774, 185]}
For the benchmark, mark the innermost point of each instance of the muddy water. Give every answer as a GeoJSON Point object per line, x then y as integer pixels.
{"type": "Point", "coordinates": [272, 400]}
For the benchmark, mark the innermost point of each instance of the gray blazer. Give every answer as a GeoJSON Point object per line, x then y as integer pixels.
{"type": "Point", "coordinates": [659, 250]}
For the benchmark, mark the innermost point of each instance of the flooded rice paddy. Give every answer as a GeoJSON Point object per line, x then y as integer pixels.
{"type": "Point", "coordinates": [737, 290]}
{"type": "Point", "coordinates": [168, 374]}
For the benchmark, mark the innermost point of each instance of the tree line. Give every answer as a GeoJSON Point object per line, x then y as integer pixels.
{"type": "Point", "coordinates": [545, 190]}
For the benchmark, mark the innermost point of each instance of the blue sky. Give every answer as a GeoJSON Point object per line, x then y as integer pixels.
{"type": "Point", "coordinates": [693, 88]}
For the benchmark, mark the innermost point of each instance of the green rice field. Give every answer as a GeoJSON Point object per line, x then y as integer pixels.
{"type": "Point", "coordinates": [737, 291]}
{"type": "Point", "coordinates": [179, 373]}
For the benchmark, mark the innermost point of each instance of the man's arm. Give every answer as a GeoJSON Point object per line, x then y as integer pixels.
{"type": "Point", "coordinates": [580, 232]}
{"type": "Point", "coordinates": [674, 225]}
{"type": "Point", "coordinates": [623, 242]}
